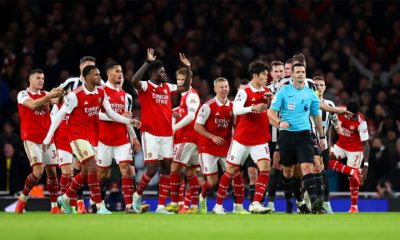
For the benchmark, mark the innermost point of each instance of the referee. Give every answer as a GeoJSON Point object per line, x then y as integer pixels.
{"type": "Point", "coordinates": [296, 103]}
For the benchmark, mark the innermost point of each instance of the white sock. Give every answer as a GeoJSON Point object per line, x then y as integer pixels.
{"type": "Point", "coordinates": [238, 205]}
{"type": "Point", "coordinates": [195, 206]}
{"type": "Point", "coordinates": [54, 204]}
{"type": "Point", "coordinates": [66, 198]}
{"type": "Point", "coordinates": [174, 204]}
{"type": "Point", "coordinates": [160, 206]}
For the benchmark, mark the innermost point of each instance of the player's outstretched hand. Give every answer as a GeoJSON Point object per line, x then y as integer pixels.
{"type": "Point", "coordinates": [348, 114]}
{"type": "Point", "coordinates": [150, 55]}
{"type": "Point", "coordinates": [136, 123]}
{"type": "Point", "coordinates": [261, 107]}
{"type": "Point", "coordinates": [184, 60]}
{"type": "Point", "coordinates": [218, 140]}
{"type": "Point", "coordinates": [284, 125]}
{"type": "Point", "coordinates": [136, 145]}
{"type": "Point", "coordinates": [45, 146]}
{"type": "Point", "coordinates": [323, 144]}
{"type": "Point", "coordinates": [56, 92]}
{"type": "Point", "coordinates": [128, 115]}
{"type": "Point", "coordinates": [364, 175]}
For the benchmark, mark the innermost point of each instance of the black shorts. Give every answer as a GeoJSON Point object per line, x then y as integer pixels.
{"type": "Point", "coordinates": [296, 147]}
{"type": "Point", "coordinates": [317, 149]}
{"type": "Point", "coordinates": [325, 158]}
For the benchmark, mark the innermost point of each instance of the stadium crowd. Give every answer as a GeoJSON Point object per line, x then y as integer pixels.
{"type": "Point", "coordinates": [355, 45]}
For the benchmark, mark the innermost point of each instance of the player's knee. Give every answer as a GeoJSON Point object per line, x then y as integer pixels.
{"type": "Point", "coordinates": [212, 180]}
{"type": "Point", "coordinates": [125, 169]}
{"type": "Point", "coordinates": [288, 172]}
{"type": "Point", "coordinates": [175, 167]}
{"type": "Point", "coordinates": [232, 169]}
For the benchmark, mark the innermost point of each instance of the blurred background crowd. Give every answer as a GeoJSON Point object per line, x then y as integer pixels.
{"type": "Point", "coordinates": [354, 44]}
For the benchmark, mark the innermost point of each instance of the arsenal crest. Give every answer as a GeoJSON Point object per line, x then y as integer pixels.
{"type": "Point", "coordinates": [352, 127]}
{"type": "Point", "coordinates": [165, 91]}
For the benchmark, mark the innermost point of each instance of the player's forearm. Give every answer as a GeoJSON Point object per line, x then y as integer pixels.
{"type": "Point", "coordinates": [325, 107]}
{"type": "Point", "coordinates": [116, 117]}
{"type": "Point", "coordinates": [54, 125]}
{"type": "Point", "coordinates": [318, 125]}
{"type": "Point", "coordinates": [366, 149]}
{"type": "Point", "coordinates": [104, 117]}
{"type": "Point", "coordinates": [203, 131]}
{"type": "Point", "coordinates": [131, 131]}
{"type": "Point", "coordinates": [38, 103]}
{"type": "Point", "coordinates": [273, 118]}
{"type": "Point", "coordinates": [185, 121]}
{"type": "Point", "coordinates": [139, 74]}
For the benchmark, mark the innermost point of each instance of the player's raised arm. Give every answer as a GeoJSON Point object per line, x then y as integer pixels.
{"type": "Point", "coordinates": [186, 85]}
{"type": "Point", "coordinates": [139, 74]}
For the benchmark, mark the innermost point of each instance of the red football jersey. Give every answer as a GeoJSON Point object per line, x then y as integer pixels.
{"type": "Point", "coordinates": [187, 133]}
{"type": "Point", "coordinates": [156, 108]}
{"type": "Point", "coordinates": [114, 133]}
{"type": "Point", "coordinates": [61, 135]}
{"type": "Point", "coordinates": [84, 119]}
{"type": "Point", "coordinates": [354, 132]}
{"type": "Point", "coordinates": [217, 118]}
{"type": "Point", "coordinates": [34, 123]}
{"type": "Point", "coordinates": [252, 128]}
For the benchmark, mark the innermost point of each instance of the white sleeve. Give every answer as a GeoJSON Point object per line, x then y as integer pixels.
{"type": "Point", "coordinates": [238, 104]}
{"type": "Point", "coordinates": [22, 97]}
{"type": "Point", "coordinates": [131, 131]}
{"type": "Point", "coordinates": [113, 115]}
{"type": "Point", "coordinates": [203, 114]}
{"type": "Point", "coordinates": [363, 130]}
{"type": "Point", "coordinates": [104, 117]}
{"type": "Point", "coordinates": [54, 125]}
{"type": "Point", "coordinates": [71, 101]}
{"type": "Point", "coordinates": [192, 103]}
{"type": "Point", "coordinates": [172, 87]}
{"type": "Point", "coordinates": [144, 86]}
{"type": "Point", "coordinates": [54, 112]}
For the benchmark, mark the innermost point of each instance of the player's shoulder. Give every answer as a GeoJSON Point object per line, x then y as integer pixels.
{"type": "Point", "coordinates": [361, 118]}
{"type": "Point", "coordinates": [23, 93]}
{"type": "Point", "coordinates": [210, 102]}
{"type": "Point", "coordinates": [329, 102]}
{"type": "Point", "coordinates": [77, 90]}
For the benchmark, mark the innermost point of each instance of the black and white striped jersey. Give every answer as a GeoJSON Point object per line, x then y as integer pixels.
{"type": "Point", "coordinates": [328, 119]}
{"type": "Point", "coordinates": [273, 87]}
{"type": "Point", "coordinates": [129, 102]}
{"type": "Point", "coordinates": [308, 82]}
{"type": "Point", "coordinates": [71, 83]}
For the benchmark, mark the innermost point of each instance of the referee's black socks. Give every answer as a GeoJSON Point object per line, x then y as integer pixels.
{"type": "Point", "coordinates": [310, 186]}
{"type": "Point", "coordinates": [274, 177]}
{"type": "Point", "coordinates": [287, 186]}
{"type": "Point", "coordinates": [319, 181]}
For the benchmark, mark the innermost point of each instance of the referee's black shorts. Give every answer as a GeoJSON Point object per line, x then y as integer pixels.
{"type": "Point", "coordinates": [296, 147]}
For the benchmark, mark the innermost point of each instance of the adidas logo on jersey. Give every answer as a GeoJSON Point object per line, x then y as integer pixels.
{"type": "Point", "coordinates": [217, 114]}
{"type": "Point", "coordinates": [253, 100]}
{"type": "Point", "coordinates": [85, 103]}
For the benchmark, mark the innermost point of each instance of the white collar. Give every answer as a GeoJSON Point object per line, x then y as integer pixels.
{"type": "Point", "coordinates": [87, 92]}
{"type": "Point", "coordinates": [108, 84]}
{"type": "Point", "coordinates": [253, 89]}
{"type": "Point", "coordinates": [155, 85]}
{"type": "Point", "coordinates": [33, 93]}
{"type": "Point", "coordinates": [220, 104]}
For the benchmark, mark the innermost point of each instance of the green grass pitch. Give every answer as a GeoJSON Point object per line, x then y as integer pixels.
{"type": "Point", "coordinates": [120, 226]}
